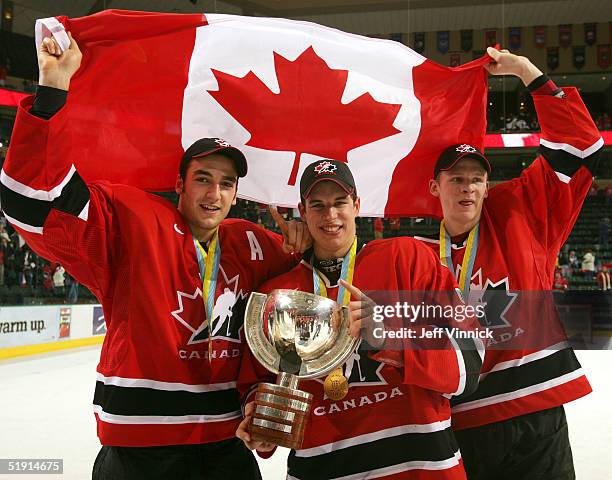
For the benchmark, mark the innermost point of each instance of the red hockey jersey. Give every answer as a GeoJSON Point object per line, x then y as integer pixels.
{"type": "Point", "coordinates": [134, 251]}
{"type": "Point", "coordinates": [528, 367]}
{"type": "Point", "coordinates": [394, 422]}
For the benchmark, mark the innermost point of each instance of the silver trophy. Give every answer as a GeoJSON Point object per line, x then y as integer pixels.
{"type": "Point", "coordinates": [296, 335]}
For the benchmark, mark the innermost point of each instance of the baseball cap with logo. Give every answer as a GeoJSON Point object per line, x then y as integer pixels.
{"type": "Point", "coordinates": [450, 156]}
{"type": "Point", "coordinates": [208, 146]}
{"type": "Point", "coordinates": [331, 170]}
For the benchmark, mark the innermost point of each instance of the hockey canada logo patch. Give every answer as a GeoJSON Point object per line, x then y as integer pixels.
{"type": "Point", "coordinates": [325, 167]}
{"type": "Point", "coordinates": [466, 149]}
{"type": "Point", "coordinates": [228, 312]}
{"type": "Point", "coordinates": [221, 142]}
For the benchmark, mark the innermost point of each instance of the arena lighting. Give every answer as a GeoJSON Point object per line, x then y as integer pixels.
{"type": "Point", "coordinates": [8, 15]}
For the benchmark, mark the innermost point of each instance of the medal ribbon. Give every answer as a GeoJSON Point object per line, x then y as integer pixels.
{"type": "Point", "coordinates": [344, 296]}
{"type": "Point", "coordinates": [346, 274]}
{"type": "Point", "coordinates": [469, 257]}
{"type": "Point", "coordinates": [208, 262]}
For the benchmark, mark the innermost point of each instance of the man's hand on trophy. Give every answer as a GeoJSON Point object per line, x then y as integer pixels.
{"type": "Point", "coordinates": [243, 434]}
{"type": "Point", "coordinates": [296, 235]}
{"type": "Point", "coordinates": [361, 320]}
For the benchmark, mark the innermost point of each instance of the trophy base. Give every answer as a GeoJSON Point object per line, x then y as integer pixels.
{"type": "Point", "coordinates": [280, 416]}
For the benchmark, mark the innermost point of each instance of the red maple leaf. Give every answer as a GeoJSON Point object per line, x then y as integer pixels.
{"type": "Point", "coordinates": [306, 116]}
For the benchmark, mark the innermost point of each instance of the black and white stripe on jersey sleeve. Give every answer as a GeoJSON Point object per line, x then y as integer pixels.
{"type": "Point", "coordinates": [518, 378]}
{"type": "Point", "coordinates": [28, 208]}
{"type": "Point", "coordinates": [470, 355]}
{"type": "Point", "coordinates": [565, 159]}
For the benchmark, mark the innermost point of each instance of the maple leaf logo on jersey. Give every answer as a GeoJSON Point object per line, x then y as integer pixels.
{"type": "Point", "coordinates": [317, 89]}
{"type": "Point", "coordinates": [325, 167]}
{"type": "Point", "coordinates": [227, 315]}
{"type": "Point", "coordinates": [495, 296]}
{"type": "Point", "coordinates": [498, 300]}
{"type": "Point", "coordinates": [465, 149]}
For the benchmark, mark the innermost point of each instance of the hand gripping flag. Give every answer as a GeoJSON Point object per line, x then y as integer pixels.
{"type": "Point", "coordinates": [285, 92]}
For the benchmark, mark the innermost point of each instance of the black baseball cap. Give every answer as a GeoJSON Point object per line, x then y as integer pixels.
{"type": "Point", "coordinates": [332, 170]}
{"type": "Point", "coordinates": [454, 153]}
{"type": "Point", "coordinates": [207, 146]}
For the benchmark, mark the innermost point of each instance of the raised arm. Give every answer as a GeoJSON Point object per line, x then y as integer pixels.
{"type": "Point", "coordinates": [42, 194]}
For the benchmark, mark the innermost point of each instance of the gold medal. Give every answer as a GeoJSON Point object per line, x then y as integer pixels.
{"type": "Point", "coordinates": [336, 385]}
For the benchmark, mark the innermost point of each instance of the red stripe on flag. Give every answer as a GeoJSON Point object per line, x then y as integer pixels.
{"type": "Point", "coordinates": [453, 110]}
{"type": "Point", "coordinates": [125, 102]}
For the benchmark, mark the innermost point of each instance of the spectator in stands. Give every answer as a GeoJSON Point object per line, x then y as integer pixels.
{"type": "Point", "coordinates": [603, 122]}
{"type": "Point", "coordinates": [10, 274]}
{"type": "Point", "coordinates": [394, 225]}
{"type": "Point", "coordinates": [560, 283]}
{"type": "Point", "coordinates": [511, 121]}
{"type": "Point", "coordinates": [3, 73]}
{"type": "Point", "coordinates": [2, 265]}
{"type": "Point", "coordinates": [608, 194]}
{"type": "Point", "coordinates": [58, 281]}
{"type": "Point", "coordinates": [604, 231]}
{"type": "Point", "coordinates": [29, 266]}
{"type": "Point", "coordinates": [604, 280]}
{"type": "Point", "coordinates": [593, 191]}
{"type": "Point", "coordinates": [522, 125]}
{"type": "Point", "coordinates": [71, 286]}
{"type": "Point", "coordinates": [574, 263]}
{"type": "Point", "coordinates": [588, 262]}
{"type": "Point", "coordinates": [563, 261]}
{"type": "Point", "coordinates": [378, 228]}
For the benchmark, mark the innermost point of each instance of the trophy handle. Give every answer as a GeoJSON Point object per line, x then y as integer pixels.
{"type": "Point", "coordinates": [257, 340]}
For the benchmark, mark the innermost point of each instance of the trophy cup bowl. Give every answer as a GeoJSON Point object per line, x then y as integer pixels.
{"type": "Point", "coordinates": [297, 335]}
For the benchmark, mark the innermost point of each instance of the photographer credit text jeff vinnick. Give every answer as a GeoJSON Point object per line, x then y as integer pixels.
{"type": "Point", "coordinates": [410, 312]}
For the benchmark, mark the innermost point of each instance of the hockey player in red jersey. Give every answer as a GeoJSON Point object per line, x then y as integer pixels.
{"type": "Point", "coordinates": [173, 285]}
{"type": "Point", "coordinates": [503, 243]}
{"type": "Point", "coordinates": [394, 421]}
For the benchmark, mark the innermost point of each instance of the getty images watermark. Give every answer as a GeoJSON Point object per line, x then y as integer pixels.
{"type": "Point", "coordinates": [405, 312]}
{"type": "Point", "coordinates": [31, 466]}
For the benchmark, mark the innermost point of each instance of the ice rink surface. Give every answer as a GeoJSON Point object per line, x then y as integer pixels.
{"type": "Point", "coordinates": [46, 412]}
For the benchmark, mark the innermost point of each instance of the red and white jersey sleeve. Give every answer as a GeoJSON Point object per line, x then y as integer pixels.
{"type": "Point", "coordinates": [449, 365]}
{"type": "Point", "coordinates": [528, 365]}
{"type": "Point", "coordinates": [167, 375]}
{"type": "Point", "coordinates": [50, 205]}
{"type": "Point", "coordinates": [550, 192]}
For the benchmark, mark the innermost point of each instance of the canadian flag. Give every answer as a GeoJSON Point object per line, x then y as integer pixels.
{"type": "Point", "coordinates": [285, 92]}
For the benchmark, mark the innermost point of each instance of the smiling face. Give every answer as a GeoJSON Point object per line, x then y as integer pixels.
{"type": "Point", "coordinates": [207, 193]}
{"type": "Point", "coordinates": [329, 213]}
{"type": "Point", "coordinates": [461, 191]}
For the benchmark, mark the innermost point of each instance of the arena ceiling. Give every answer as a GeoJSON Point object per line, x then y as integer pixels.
{"type": "Point", "coordinates": [360, 16]}
{"type": "Point", "coordinates": [356, 16]}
